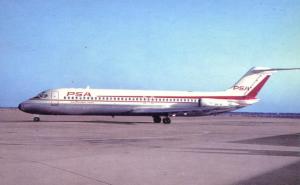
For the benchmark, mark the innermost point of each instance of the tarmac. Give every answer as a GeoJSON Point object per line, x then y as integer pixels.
{"type": "Point", "coordinates": [96, 150]}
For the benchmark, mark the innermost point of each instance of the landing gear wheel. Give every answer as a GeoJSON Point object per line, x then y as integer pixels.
{"type": "Point", "coordinates": [167, 120]}
{"type": "Point", "coordinates": [36, 119]}
{"type": "Point", "coordinates": [156, 119]}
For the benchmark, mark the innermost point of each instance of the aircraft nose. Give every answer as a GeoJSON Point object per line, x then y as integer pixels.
{"type": "Point", "coordinates": [26, 107]}
{"type": "Point", "coordinates": [20, 107]}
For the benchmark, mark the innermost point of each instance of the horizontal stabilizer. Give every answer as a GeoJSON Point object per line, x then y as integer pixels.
{"type": "Point", "coordinates": [261, 69]}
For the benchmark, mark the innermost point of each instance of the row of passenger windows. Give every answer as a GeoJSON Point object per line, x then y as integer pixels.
{"type": "Point", "coordinates": [130, 99]}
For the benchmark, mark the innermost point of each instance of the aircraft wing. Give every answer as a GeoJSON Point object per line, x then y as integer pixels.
{"type": "Point", "coordinates": [193, 111]}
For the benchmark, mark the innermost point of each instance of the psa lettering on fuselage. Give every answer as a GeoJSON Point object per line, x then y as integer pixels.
{"type": "Point", "coordinates": [241, 88]}
{"type": "Point", "coordinates": [79, 94]}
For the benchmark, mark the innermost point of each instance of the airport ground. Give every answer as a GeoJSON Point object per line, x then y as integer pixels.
{"type": "Point", "coordinates": [216, 150]}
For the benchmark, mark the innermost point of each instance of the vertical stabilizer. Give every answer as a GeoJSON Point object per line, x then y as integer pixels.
{"type": "Point", "coordinates": [253, 81]}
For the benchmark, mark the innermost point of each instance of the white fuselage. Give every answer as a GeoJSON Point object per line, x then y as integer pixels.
{"type": "Point", "coordinates": [77, 101]}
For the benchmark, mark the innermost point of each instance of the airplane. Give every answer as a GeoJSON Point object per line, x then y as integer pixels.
{"type": "Point", "coordinates": [158, 104]}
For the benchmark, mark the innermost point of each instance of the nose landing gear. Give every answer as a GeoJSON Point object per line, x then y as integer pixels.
{"type": "Point", "coordinates": [36, 119]}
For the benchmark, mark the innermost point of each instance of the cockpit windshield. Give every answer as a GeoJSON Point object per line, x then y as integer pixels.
{"type": "Point", "coordinates": [42, 95]}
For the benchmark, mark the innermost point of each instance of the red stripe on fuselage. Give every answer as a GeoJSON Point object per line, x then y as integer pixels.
{"type": "Point", "coordinates": [179, 97]}
{"type": "Point", "coordinates": [155, 98]}
{"type": "Point", "coordinates": [252, 94]}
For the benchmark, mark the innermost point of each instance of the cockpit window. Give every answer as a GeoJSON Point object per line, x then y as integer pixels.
{"type": "Point", "coordinates": [42, 95]}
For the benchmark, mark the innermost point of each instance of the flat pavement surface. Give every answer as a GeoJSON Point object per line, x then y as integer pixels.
{"type": "Point", "coordinates": [95, 150]}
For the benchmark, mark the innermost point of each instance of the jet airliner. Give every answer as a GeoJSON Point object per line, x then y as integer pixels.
{"type": "Point", "coordinates": [161, 105]}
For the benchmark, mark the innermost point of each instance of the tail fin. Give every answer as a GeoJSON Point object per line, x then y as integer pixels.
{"type": "Point", "coordinates": [253, 81]}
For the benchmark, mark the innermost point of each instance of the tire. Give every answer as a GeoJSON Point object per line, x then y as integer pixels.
{"type": "Point", "coordinates": [156, 119]}
{"type": "Point", "coordinates": [36, 119]}
{"type": "Point", "coordinates": [167, 120]}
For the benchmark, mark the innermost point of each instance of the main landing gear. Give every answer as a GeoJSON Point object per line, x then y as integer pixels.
{"type": "Point", "coordinates": [157, 119]}
{"type": "Point", "coordinates": [166, 120]}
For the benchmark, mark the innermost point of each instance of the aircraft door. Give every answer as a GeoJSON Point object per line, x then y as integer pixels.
{"type": "Point", "coordinates": [54, 98]}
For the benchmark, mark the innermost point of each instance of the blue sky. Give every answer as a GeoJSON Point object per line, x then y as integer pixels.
{"type": "Point", "coordinates": [163, 45]}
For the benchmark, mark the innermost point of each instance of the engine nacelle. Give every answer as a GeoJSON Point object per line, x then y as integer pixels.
{"type": "Point", "coordinates": [210, 102]}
